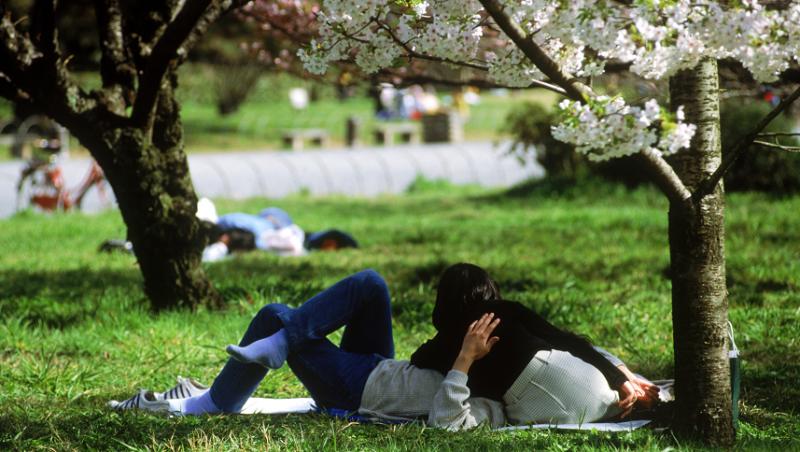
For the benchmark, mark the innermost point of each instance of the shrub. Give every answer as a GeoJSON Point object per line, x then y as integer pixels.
{"type": "Point", "coordinates": [233, 83]}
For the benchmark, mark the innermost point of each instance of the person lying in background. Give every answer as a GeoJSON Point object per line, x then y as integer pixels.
{"type": "Point", "coordinates": [271, 230]}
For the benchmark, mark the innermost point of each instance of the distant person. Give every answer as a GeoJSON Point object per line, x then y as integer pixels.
{"type": "Point", "coordinates": [271, 230]}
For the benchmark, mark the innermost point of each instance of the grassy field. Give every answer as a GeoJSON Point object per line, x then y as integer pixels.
{"type": "Point", "coordinates": [75, 330]}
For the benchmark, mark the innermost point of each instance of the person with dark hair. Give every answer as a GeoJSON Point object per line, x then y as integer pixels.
{"type": "Point", "coordinates": [573, 381]}
{"type": "Point", "coordinates": [359, 375]}
{"type": "Point", "coordinates": [460, 287]}
{"type": "Point", "coordinates": [271, 230]}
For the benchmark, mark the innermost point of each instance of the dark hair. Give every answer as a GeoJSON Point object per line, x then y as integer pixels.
{"type": "Point", "coordinates": [240, 240]}
{"type": "Point", "coordinates": [211, 231]}
{"type": "Point", "coordinates": [462, 289]}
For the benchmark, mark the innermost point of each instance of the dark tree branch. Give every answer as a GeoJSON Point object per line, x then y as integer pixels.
{"type": "Point", "coordinates": [778, 134]}
{"type": "Point", "coordinates": [43, 28]}
{"type": "Point", "coordinates": [534, 53]}
{"type": "Point", "coordinates": [214, 12]}
{"type": "Point", "coordinates": [163, 54]}
{"type": "Point", "coordinates": [708, 184]}
{"type": "Point", "coordinates": [10, 91]}
{"type": "Point", "coordinates": [172, 49]}
{"type": "Point", "coordinates": [16, 52]}
{"type": "Point", "coordinates": [116, 70]}
{"type": "Point", "coordinates": [39, 79]}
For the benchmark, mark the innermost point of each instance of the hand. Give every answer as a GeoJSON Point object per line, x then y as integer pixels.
{"type": "Point", "coordinates": [627, 398]}
{"type": "Point", "coordinates": [478, 342]}
{"type": "Point", "coordinates": [646, 392]}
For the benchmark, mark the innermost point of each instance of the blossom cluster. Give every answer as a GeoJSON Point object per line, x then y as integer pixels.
{"type": "Point", "coordinates": [657, 37]}
{"type": "Point", "coordinates": [607, 127]}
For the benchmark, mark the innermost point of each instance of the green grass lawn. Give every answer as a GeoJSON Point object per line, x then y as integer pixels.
{"type": "Point", "coordinates": [75, 330]}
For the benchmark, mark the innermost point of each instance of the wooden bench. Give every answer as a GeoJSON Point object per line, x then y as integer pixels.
{"type": "Point", "coordinates": [296, 138]}
{"type": "Point", "coordinates": [408, 133]}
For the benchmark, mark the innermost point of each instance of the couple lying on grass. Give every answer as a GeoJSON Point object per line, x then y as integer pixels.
{"type": "Point", "coordinates": [492, 361]}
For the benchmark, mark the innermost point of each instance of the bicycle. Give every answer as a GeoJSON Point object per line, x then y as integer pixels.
{"type": "Point", "coordinates": [41, 184]}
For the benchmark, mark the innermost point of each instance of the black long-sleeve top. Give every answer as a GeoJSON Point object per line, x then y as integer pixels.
{"type": "Point", "coordinates": [522, 334]}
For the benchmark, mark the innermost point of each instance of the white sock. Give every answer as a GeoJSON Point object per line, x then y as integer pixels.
{"type": "Point", "coordinates": [270, 352]}
{"type": "Point", "coordinates": [197, 405]}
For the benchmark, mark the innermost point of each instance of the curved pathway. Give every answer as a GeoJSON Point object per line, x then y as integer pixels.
{"type": "Point", "coordinates": [359, 172]}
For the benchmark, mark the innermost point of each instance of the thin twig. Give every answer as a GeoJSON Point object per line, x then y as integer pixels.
{"type": "Point", "coordinates": [782, 147]}
{"type": "Point", "coordinates": [778, 134]}
{"type": "Point", "coordinates": [414, 54]}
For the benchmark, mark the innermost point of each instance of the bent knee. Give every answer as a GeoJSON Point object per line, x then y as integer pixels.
{"type": "Point", "coordinates": [373, 279]}
{"type": "Point", "coordinates": [271, 310]}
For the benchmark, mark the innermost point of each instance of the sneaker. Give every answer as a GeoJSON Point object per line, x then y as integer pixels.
{"type": "Point", "coordinates": [143, 400]}
{"type": "Point", "coordinates": [186, 387]}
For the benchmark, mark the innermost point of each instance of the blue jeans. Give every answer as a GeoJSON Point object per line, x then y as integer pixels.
{"type": "Point", "coordinates": [334, 376]}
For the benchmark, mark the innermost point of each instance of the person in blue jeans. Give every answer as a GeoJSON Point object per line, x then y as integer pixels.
{"type": "Point", "coordinates": [361, 374]}
{"type": "Point", "coordinates": [334, 376]}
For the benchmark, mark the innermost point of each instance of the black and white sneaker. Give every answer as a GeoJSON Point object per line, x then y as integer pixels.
{"type": "Point", "coordinates": [186, 387]}
{"type": "Point", "coordinates": [142, 400]}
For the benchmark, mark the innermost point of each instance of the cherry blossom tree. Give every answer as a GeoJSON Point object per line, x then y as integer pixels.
{"type": "Point", "coordinates": [560, 46]}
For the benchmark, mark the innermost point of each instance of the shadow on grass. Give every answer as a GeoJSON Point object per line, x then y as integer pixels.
{"type": "Point", "coordinates": [65, 298]}
{"type": "Point", "coordinates": [60, 299]}
{"type": "Point", "coordinates": [751, 290]}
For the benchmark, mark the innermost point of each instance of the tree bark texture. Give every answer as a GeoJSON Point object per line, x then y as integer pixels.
{"type": "Point", "coordinates": [154, 190]}
{"type": "Point", "coordinates": [697, 252]}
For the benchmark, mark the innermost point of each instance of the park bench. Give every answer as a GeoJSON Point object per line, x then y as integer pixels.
{"type": "Point", "coordinates": [296, 138]}
{"type": "Point", "coordinates": [408, 133]}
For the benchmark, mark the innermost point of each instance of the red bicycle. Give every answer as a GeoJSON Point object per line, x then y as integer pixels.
{"type": "Point", "coordinates": [42, 186]}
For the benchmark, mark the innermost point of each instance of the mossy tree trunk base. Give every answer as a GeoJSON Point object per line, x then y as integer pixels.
{"type": "Point", "coordinates": [151, 181]}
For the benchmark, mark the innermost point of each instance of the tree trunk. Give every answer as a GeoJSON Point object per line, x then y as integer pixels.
{"type": "Point", "coordinates": [697, 252]}
{"type": "Point", "coordinates": [154, 190]}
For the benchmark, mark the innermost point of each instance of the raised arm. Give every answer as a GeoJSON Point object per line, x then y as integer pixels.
{"type": "Point", "coordinates": [453, 409]}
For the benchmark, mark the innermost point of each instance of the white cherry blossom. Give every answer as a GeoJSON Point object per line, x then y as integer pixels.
{"type": "Point", "coordinates": [657, 38]}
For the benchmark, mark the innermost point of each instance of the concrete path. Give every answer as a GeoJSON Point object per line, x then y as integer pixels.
{"type": "Point", "coordinates": [360, 172]}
